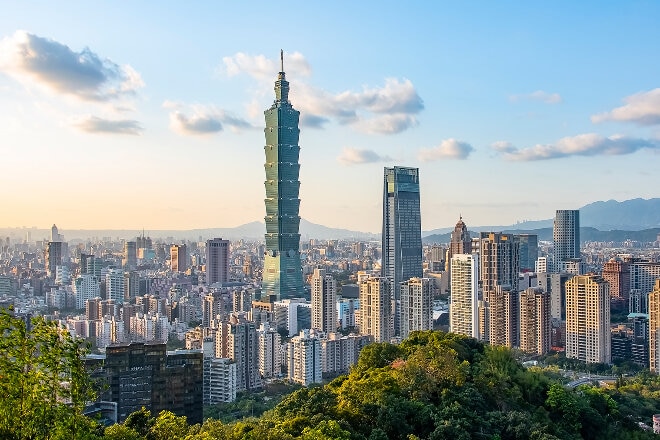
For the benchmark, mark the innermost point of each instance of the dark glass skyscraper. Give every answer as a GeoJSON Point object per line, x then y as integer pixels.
{"type": "Point", "coordinates": [282, 276]}
{"type": "Point", "coordinates": [566, 234]}
{"type": "Point", "coordinates": [402, 230]}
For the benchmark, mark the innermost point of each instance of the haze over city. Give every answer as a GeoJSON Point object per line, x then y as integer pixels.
{"type": "Point", "coordinates": [124, 116]}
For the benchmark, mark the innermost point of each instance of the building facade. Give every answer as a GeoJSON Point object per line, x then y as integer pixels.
{"type": "Point", "coordinates": [324, 300]}
{"type": "Point", "coordinates": [588, 335]}
{"type": "Point", "coordinates": [464, 301]}
{"type": "Point", "coordinates": [535, 323]}
{"type": "Point", "coordinates": [416, 306]}
{"type": "Point", "coordinates": [654, 327]}
{"type": "Point", "coordinates": [376, 308]}
{"type": "Point", "coordinates": [217, 261]}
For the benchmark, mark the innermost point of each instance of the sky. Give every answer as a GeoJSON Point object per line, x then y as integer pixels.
{"type": "Point", "coordinates": [132, 115]}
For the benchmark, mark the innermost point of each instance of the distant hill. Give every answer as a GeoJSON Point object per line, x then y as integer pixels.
{"type": "Point", "coordinates": [629, 215]}
{"type": "Point", "coordinates": [250, 231]}
{"type": "Point", "coordinates": [545, 234]}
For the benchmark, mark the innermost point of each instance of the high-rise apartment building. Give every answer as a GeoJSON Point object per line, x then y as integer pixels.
{"type": "Point", "coordinates": [217, 261]}
{"type": "Point", "coordinates": [617, 273]}
{"type": "Point", "coordinates": [502, 315]}
{"type": "Point", "coordinates": [588, 319]}
{"type": "Point", "coordinates": [238, 340]}
{"type": "Point", "coordinates": [463, 308]}
{"type": "Point", "coordinates": [53, 257]}
{"type": "Point", "coordinates": [654, 327]}
{"type": "Point", "coordinates": [324, 300]}
{"type": "Point", "coordinates": [566, 236]}
{"type": "Point", "coordinates": [402, 231]}
{"type": "Point", "coordinates": [304, 360]}
{"type": "Point", "coordinates": [499, 256]}
{"type": "Point", "coordinates": [376, 308]}
{"type": "Point", "coordinates": [416, 305]}
{"type": "Point", "coordinates": [270, 357]}
{"type": "Point", "coordinates": [535, 324]}
{"type": "Point", "coordinates": [178, 258]}
{"type": "Point", "coordinates": [282, 274]}
{"type": "Point", "coordinates": [114, 285]}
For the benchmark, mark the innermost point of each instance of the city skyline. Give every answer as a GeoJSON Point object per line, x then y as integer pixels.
{"type": "Point", "coordinates": [478, 97]}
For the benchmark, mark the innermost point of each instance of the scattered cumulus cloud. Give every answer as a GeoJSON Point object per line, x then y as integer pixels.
{"type": "Point", "coordinates": [357, 156]}
{"type": "Point", "coordinates": [32, 59]}
{"type": "Point", "coordinates": [448, 149]}
{"type": "Point", "coordinates": [95, 124]}
{"type": "Point", "coordinates": [387, 109]}
{"type": "Point", "coordinates": [503, 147]}
{"type": "Point", "coordinates": [539, 95]}
{"type": "Point", "coordinates": [202, 120]}
{"type": "Point", "coordinates": [641, 108]}
{"type": "Point", "coordinates": [589, 144]}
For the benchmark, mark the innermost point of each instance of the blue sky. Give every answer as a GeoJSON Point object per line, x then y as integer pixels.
{"type": "Point", "coordinates": [150, 114]}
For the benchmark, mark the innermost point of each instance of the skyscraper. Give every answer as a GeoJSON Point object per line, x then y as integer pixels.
{"type": "Point", "coordinates": [282, 275]}
{"type": "Point", "coordinates": [588, 319]}
{"type": "Point", "coordinates": [178, 258]}
{"type": "Point", "coordinates": [402, 231]}
{"type": "Point", "coordinates": [529, 251]}
{"type": "Point", "coordinates": [217, 261]}
{"type": "Point", "coordinates": [460, 242]}
{"type": "Point", "coordinates": [566, 236]}
{"type": "Point", "coordinates": [654, 327]}
{"type": "Point", "coordinates": [130, 255]}
{"type": "Point", "coordinates": [324, 300]}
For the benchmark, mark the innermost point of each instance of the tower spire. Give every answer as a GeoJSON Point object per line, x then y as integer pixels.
{"type": "Point", "coordinates": [281, 60]}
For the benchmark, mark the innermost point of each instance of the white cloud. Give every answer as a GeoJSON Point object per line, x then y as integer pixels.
{"type": "Point", "coordinates": [448, 149]}
{"type": "Point", "coordinates": [202, 120]}
{"type": "Point", "coordinates": [503, 147]}
{"type": "Point", "coordinates": [355, 156]}
{"type": "Point", "coordinates": [388, 109]}
{"type": "Point", "coordinates": [94, 124]}
{"type": "Point", "coordinates": [589, 144]}
{"type": "Point", "coordinates": [641, 108]}
{"type": "Point", "coordinates": [85, 75]}
{"type": "Point", "coordinates": [539, 95]}
{"type": "Point", "coordinates": [264, 69]}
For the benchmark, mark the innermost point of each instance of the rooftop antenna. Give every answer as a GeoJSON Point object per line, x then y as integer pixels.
{"type": "Point", "coordinates": [281, 60]}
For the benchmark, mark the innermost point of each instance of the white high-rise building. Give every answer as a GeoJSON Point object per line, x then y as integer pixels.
{"type": "Point", "coordinates": [541, 265]}
{"type": "Point", "coordinates": [237, 340]}
{"type": "Point", "coordinates": [339, 353]}
{"type": "Point", "coordinates": [416, 306]}
{"type": "Point", "coordinates": [86, 287]}
{"type": "Point", "coordinates": [304, 359]}
{"type": "Point", "coordinates": [376, 308]}
{"type": "Point", "coordinates": [324, 298]}
{"type": "Point", "coordinates": [219, 380]}
{"type": "Point", "coordinates": [270, 354]}
{"type": "Point", "coordinates": [588, 319]}
{"type": "Point", "coordinates": [463, 308]}
{"type": "Point", "coordinates": [114, 285]}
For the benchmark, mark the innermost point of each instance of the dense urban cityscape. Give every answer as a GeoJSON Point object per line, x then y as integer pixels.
{"type": "Point", "coordinates": [180, 325]}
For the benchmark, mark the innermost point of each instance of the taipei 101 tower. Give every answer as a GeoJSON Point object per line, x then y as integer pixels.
{"type": "Point", "coordinates": [282, 275]}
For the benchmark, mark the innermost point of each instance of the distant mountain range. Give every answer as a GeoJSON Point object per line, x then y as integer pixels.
{"type": "Point", "coordinates": [629, 215]}
{"type": "Point", "coordinates": [635, 219]}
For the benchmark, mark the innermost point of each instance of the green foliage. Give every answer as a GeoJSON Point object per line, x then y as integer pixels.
{"type": "Point", "coordinates": [44, 385]}
{"type": "Point", "coordinates": [436, 385]}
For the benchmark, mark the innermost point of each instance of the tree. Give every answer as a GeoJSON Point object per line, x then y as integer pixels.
{"type": "Point", "coordinates": [44, 384]}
